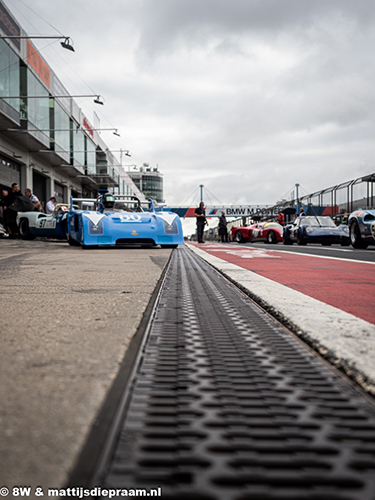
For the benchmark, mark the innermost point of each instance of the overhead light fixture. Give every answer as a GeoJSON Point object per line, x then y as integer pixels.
{"type": "Point", "coordinates": [77, 129]}
{"type": "Point", "coordinates": [99, 100]}
{"type": "Point", "coordinates": [67, 45]}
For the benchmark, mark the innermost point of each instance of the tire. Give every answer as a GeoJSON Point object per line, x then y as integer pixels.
{"type": "Point", "coordinates": [73, 243]}
{"type": "Point", "coordinates": [287, 240]}
{"type": "Point", "coordinates": [300, 239]}
{"type": "Point", "coordinates": [88, 247]}
{"type": "Point", "coordinates": [355, 236]}
{"type": "Point", "coordinates": [25, 230]}
{"type": "Point", "coordinates": [239, 237]}
{"type": "Point", "coordinates": [272, 238]}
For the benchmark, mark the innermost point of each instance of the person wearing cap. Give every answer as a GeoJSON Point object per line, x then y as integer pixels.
{"type": "Point", "coordinates": [50, 205]}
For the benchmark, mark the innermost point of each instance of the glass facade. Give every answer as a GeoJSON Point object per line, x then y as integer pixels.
{"type": "Point", "coordinates": [78, 144]}
{"type": "Point", "coordinates": [10, 74]}
{"type": "Point", "coordinates": [62, 127]}
{"type": "Point", "coordinates": [36, 109]}
{"type": "Point", "coordinates": [47, 125]}
{"type": "Point", "coordinates": [90, 156]}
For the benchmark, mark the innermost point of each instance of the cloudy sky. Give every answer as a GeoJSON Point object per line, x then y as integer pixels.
{"type": "Point", "coordinates": [247, 97]}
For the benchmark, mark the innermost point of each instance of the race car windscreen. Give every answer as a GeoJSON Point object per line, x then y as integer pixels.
{"type": "Point", "coordinates": [320, 221]}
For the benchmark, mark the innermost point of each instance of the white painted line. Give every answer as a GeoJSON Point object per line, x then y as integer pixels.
{"type": "Point", "coordinates": [346, 336]}
{"type": "Point", "coordinates": [301, 254]}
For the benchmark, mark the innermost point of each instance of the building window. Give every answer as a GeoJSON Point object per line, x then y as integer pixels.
{"type": "Point", "coordinates": [62, 126]}
{"type": "Point", "coordinates": [36, 109]}
{"type": "Point", "coordinates": [90, 156]}
{"type": "Point", "coordinates": [78, 141]}
{"type": "Point", "coordinates": [9, 75]}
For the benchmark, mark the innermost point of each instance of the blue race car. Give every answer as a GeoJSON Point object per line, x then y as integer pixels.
{"type": "Point", "coordinates": [362, 228]}
{"type": "Point", "coordinates": [315, 229]}
{"type": "Point", "coordinates": [127, 224]}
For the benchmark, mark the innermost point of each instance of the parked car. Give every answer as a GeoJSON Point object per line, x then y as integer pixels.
{"type": "Point", "coordinates": [362, 228]}
{"type": "Point", "coordinates": [270, 232]}
{"type": "Point", "coordinates": [123, 220]}
{"type": "Point", "coordinates": [3, 232]}
{"type": "Point", "coordinates": [315, 229]}
{"type": "Point", "coordinates": [33, 224]}
{"type": "Point", "coordinates": [339, 219]}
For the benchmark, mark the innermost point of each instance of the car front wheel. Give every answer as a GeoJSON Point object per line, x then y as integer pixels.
{"type": "Point", "coordinates": [72, 242]}
{"type": "Point", "coordinates": [287, 240]}
{"type": "Point", "coordinates": [355, 236]}
{"type": "Point", "coordinates": [239, 237]}
{"type": "Point", "coordinates": [300, 239]}
{"type": "Point", "coordinates": [25, 230]}
{"type": "Point", "coordinates": [271, 237]}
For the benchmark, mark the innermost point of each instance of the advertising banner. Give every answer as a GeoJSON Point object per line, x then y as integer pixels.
{"type": "Point", "coordinates": [37, 63]}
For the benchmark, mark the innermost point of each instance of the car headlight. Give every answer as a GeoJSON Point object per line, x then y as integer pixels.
{"type": "Point", "coordinates": [309, 229]}
{"type": "Point", "coordinates": [345, 229]}
{"type": "Point", "coordinates": [96, 229]}
{"type": "Point", "coordinates": [170, 228]}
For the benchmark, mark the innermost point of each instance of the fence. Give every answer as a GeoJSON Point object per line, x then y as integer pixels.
{"type": "Point", "coordinates": [345, 197]}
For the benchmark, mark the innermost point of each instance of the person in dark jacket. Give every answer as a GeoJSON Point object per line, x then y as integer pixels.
{"type": "Point", "coordinates": [223, 232]}
{"type": "Point", "coordinates": [10, 216]}
{"type": "Point", "coordinates": [200, 215]}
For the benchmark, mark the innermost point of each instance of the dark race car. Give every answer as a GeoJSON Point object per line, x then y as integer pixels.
{"type": "Point", "coordinates": [315, 229]}
{"type": "Point", "coordinates": [362, 228]}
{"type": "Point", "coordinates": [270, 232]}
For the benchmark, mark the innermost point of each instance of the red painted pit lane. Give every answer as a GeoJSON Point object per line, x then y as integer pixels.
{"type": "Point", "coordinates": [349, 286]}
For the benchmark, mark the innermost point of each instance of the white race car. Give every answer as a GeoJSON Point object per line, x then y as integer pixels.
{"type": "Point", "coordinates": [33, 224]}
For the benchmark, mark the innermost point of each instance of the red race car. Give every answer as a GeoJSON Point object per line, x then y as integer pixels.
{"type": "Point", "coordinates": [269, 232]}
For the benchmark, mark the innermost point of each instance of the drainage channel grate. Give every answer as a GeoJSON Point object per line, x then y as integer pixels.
{"type": "Point", "coordinates": [228, 405]}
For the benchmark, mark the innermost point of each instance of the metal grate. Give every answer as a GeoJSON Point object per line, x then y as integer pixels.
{"type": "Point", "coordinates": [228, 405]}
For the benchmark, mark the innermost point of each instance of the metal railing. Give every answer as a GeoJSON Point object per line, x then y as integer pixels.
{"type": "Point", "coordinates": [345, 197]}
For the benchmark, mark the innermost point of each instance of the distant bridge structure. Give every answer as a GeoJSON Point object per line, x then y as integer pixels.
{"type": "Point", "coordinates": [347, 196]}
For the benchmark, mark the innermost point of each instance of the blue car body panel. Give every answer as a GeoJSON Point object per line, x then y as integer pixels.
{"type": "Point", "coordinates": [365, 220]}
{"type": "Point", "coordinates": [109, 227]}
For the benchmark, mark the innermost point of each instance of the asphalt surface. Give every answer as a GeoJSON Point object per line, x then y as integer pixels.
{"type": "Point", "coordinates": [67, 318]}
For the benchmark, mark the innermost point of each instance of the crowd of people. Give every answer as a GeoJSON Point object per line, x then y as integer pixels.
{"type": "Point", "coordinates": [200, 215]}
{"type": "Point", "coordinates": [10, 205]}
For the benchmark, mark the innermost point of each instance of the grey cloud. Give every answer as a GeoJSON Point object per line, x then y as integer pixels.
{"type": "Point", "coordinates": [169, 22]}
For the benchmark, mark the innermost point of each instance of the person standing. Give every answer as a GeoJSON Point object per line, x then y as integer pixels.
{"type": "Point", "coordinates": [223, 232]}
{"type": "Point", "coordinates": [34, 200]}
{"type": "Point", "coordinates": [50, 205]}
{"type": "Point", "coordinates": [10, 216]}
{"type": "Point", "coordinates": [281, 218]}
{"type": "Point", "coordinates": [200, 215]}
